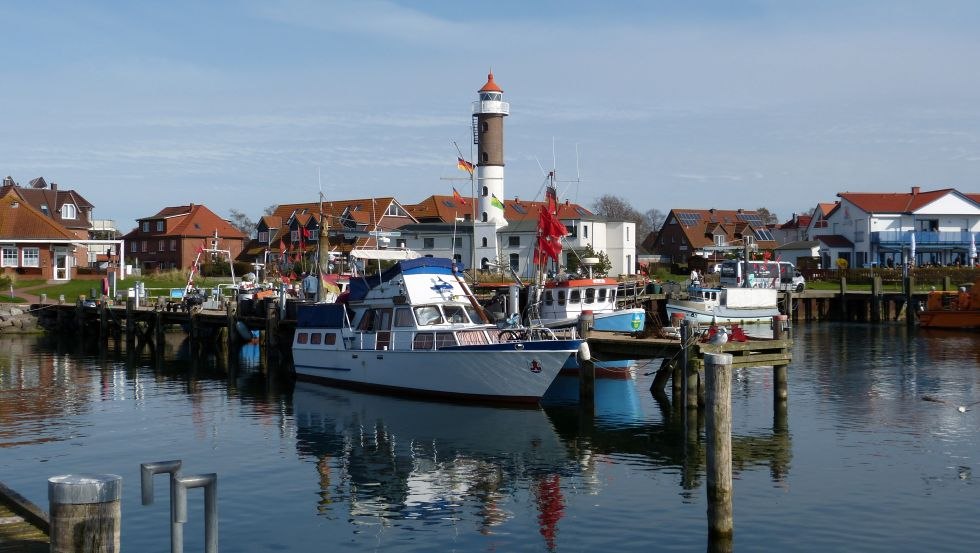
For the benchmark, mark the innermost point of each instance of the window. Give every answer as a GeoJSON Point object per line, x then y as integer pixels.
{"type": "Point", "coordinates": [627, 234]}
{"type": "Point", "coordinates": [31, 257]}
{"type": "Point", "coordinates": [483, 241]}
{"type": "Point", "coordinates": [590, 295]}
{"type": "Point", "coordinates": [515, 261]}
{"type": "Point", "coordinates": [428, 243]}
{"type": "Point", "coordinates": [423, 340]}
{"type": "Point", "coordinates": [162, 246]}
{"type": "Point", "coordinates": [146, 226]}
{"type": "Point", "coordinates": [159, 226]}
{"type": "Point", "coordinates": [585, 231]}
{"type": "Point", "coordinates": [484, 127]}
{"type": "Point", "coordinates": [602, 295]}
{"type": "Point", "coordinates": [264, 237]}
{"type": "Point", "coordinates": [548, 297]}
{"type": "Point", "coordinates": [9, 256]}
{"type": "Point", "coordinates": [561, 297]}
{"type": "Point", "coordinates": [68, 211]}
{"type": "Point", "coordinates": [173, 244]}
{"type": "Point", "coordinates": [329, 338]}
{"type": "Point", "coordinates": [403, 317]}
{"type": "Point", "coordinates": [485, 157]}
{"type": "Point", "coordinates": [132, 246]}
{"type": "Point", "coordinates": [315, 338]}
{"type": "Point", "coordinates": [575, 296]}
{"type": "Point", "coordinates": [455, 314]}
{"type": "Point", "coordinates": [142, 245]}
{"type": "Point", "coordinates": [572, 231]}
{"type": "Point", "coordinates": [294, 236]}
{"type": "Point", "coordinates": [395, 211]}
{"type": "Point", "coordinates": [445, 339]}
{"type": "Point", "coordinates": [720, 240]}
{"type": "Point", "coordinates": [514, 241]}
{"type": "Point", "coordinates": [484, 217]}
{"type": "Point", "coordinates": [302, 338]}
{"type": "Point", "coordinates": [458, 241]}
{"type": "Point", "coordinates": [428, 315]}
{"type": "Point", "coordinates": [400, 243]}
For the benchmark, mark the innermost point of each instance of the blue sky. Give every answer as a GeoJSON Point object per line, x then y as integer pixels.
{"type": "Point", "coordinates": [726, 104]}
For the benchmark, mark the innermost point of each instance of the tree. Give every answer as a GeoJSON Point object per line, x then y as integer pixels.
{"type": "Point", "coordinates": [241, 221]}
{"type": "Point", "coordinates": [655, 218]}
{"type": "Point", "coordinates": [768, 218]}
{"type": "Point", "coordinates": [615, 208]}
{"type": "Point", "coordinates": [270, 209]}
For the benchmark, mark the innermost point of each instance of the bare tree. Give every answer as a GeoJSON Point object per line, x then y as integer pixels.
{"type": "Point", "coordinates": [241, 221]}
{"type": "Point", "coordinates": [270, 209]}
{"type": "Point", "coordinates": [615, 208]}
{"type": "Point", "coordinates": [768, 218]}
{"type": "Point", "coordinates": [655, 218]}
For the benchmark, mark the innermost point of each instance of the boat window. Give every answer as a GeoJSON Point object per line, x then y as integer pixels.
{"type": "Point", "coordinates": [403, 317]}
{"type": "Point", "coordinates": [315, 337]}
{"type": "Point", "coordinates": [302, 338]}
{"type": "Point", "coordinates": [714, 295]}
{"type": "Point", "coordinates": [455, 313]}
{"type": "Point", "coordinates": [590, 295]}
{"type": "Point", "coordinates": [474, 314]}
{"type": "Point", "coordinates": [561, 297]}
{"type": "Point", "coordinates": [548, 298]}
{"type": "Point", "coordinates": [602, 294]}
{"type": "Point", "coordinates": [445, 339]}
{"type": "Point", "coordinates": [612, 295]}
{"type": "Point", "coordinates": [423, 340]}
{"type": "Point", "coordinates": [367, 321]}
{"type": "Point", "coordinates": [428, 315]}
{"type": "Point", "coordinates": [575, 296]}
{"type": "Point", "coordinates": [329, 338]}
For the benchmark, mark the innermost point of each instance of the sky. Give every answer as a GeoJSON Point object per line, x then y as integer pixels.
{"type": "Point", "coordinates": [717, 103]}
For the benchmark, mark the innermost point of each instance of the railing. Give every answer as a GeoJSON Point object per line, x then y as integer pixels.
{"type": "Point", "coordinates": [952, 238]}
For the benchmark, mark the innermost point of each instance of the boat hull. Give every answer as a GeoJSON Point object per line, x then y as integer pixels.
{"type": "Point", "coordinates": [622, 320]}
{"type": "Point", "coordinates": [697, 313]}
{"type": "Point", "coordinates": [510, 372]}
{"type": "Point", "coordinates": [960, 320]}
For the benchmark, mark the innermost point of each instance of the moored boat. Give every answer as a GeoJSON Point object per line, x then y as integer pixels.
{"type": "Point", "coordinates": [416, 329]}
{"type": "Point", "coordinates": [564, 301]}
{"type": "Point", "coordinates": [958, 309]}
{"type": "Point", "coordinates": [726, 305]}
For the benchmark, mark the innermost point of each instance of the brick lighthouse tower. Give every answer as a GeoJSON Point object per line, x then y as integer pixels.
{"type": "Point", "coordinates": [488, 134]}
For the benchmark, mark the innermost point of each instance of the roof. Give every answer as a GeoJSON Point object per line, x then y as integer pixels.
{"type": "Point", "coordinates": [796, 222]}
{"type": "Point", "coordinates": [799, 245]}
{"type": "Point", "coordinates": [49, 201]}
{"type": "Point", "coordinates": [491, 85]}
{"type": "Point", "coordinates": [908, 202]}
{"type": "Point", "coordinates": [446, 208]}
{"type": "Point", "coordinates": [194, 220]}
{"type": "Point", "coordinates": [700, 226]}
{"type": "Point", "coordinates": [20, 220]}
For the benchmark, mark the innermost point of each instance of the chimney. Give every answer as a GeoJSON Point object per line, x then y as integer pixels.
{"type": "Point", "coordinates": [54, 186]}
{"type": "Point", "coordinates": [915, 190]}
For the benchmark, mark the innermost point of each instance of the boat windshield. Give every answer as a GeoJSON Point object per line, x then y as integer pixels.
{"type": "Point", "coordinates": [455, 314]}
{"type": "Point", "coordinates": [428, 315]}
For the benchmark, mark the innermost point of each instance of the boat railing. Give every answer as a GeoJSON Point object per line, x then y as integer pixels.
{"type": "Point", "coordinates": [439, 337]}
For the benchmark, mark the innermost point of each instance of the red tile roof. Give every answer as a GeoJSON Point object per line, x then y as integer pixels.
{"type": "Point", "coordinates": [908, 202]}
{"type": "Point", "coordinates": [20, 220]}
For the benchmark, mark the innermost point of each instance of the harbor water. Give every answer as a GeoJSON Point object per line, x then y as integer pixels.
{"type": "Point", "coordinates": [859, 461]}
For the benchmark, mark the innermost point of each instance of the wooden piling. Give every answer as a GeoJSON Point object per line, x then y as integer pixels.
{"type": "Point", "coordinates": [909, 282]}
{"type": "Point", "coordinates": [843, 298]}
{"type": "Point", "coordinates": [718, 433]}
{"type": "Point", "coordinates": [271, 325]}
{"type": "Point", "coordinates": [876, 299]}
{"type": "Point", "coordinates": [86, 513]}
{"type": "Point", "coordinates": [230, 312]}
{"type": "Point", "coordinates": [103, 322]}
{"type": "Point", "coordinates": [586, 371]}
{"type": "Point", "coordinates": [688, 367]}
{"type": "Point", "coordinates": [130, 321]}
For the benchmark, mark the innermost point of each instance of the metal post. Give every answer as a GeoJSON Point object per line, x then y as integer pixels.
{"type": "Point", "coordinates": [86, 513]}
{"type": "Point", "coordinates": [147, 470]}
{"type": "Point", "coordinates": [210, 484]}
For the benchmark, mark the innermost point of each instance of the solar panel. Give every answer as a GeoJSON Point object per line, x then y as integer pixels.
{"type": "Point", "coordinates": [750, 218]}
{"type": "Point", "coordinates": [763, 234]}
{"type": "Point", "coordinates": [689, 219]}
{"type": "Point", "coordinates": [582, 212]}
{"type": "Point", "coordinates": [519, 208]}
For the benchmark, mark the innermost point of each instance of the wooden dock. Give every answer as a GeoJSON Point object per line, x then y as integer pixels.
{"type": "Point", "coordinates": [23, 525]}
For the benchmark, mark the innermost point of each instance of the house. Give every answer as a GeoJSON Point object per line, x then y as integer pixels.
{"type": "Point", "coordinates": [68, 208]}
{"type": "Point", "coordinates": [33, 244]}
{"type": "Point", "coordinates": [794, 230]}
{"type": "Point", "coordinates": [933, 227]}
{"type": "Point", "coordinates": [171, 238]}
{"type": "Point", "coordinates": [709, 233]}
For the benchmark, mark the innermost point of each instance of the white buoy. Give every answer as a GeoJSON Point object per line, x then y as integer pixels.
{"type": "Point", "coordinates": [584, 353]}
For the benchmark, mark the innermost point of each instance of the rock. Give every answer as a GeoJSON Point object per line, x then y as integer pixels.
{"type": "Point", "coordinates": [15, 311]}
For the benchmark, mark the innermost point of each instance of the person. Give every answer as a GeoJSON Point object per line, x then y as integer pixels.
{"type": "Point", "coordinates": [695, 277]}
{"type": "Point", "coordinates": [309, 285]}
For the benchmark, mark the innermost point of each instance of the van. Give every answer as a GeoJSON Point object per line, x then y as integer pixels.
{"type": "Point", "coordinates": [762, 274]}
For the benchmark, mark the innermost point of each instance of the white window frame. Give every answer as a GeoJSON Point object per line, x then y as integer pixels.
{"type": "Point", "coordinates": [69, 211]}
{"type": "Point", "coordinates": [264, 237]}
{"type": "Point", "coordinates": [159, 226]}
{"type": "Point", "coordinates": [9, 256]}
{"type": "Point", "coordinates": [30, 260]}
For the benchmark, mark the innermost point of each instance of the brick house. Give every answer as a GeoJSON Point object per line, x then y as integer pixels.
{"type": "Point", "coordinates": [709, 233]}
{"type": "Point", "coordinates": [32, 244]}
{"type": "Point", "coordinates": [171, 238]}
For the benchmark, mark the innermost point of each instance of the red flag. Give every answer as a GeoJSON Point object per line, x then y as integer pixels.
{"type": "Point", "coordinates": [458, 198]}
{"type": "Point", "coordinates": [550, 231]}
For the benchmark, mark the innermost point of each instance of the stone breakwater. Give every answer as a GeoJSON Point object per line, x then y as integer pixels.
{"type": "Point", "coordinates": [17, 320]}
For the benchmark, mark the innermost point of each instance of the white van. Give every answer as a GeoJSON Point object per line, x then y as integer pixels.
{"type": "Point", "coordinates": [762, 274]}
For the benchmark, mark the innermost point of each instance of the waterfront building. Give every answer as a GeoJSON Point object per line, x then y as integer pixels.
{"type": "Point", "coordinates": [886, 229]}
{"type": "Point", "coordinates": [171, 238]}
{"type": "Point", "coordinates": [709, 233]}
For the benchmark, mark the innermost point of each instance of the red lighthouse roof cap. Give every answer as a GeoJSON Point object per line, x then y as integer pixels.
{"type": "Point", "coordinates": [491, 86]}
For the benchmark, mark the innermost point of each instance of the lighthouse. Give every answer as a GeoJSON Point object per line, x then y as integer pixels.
{"type": "Point", "coordinates": [488, 135]}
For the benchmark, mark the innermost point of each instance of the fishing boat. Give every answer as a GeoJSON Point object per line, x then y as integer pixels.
{"type": "Point", "coordinates": [725, 305]}
{"type": "Point", "coordinates": [958, 309]}
{"type": "Point", "coordinates": [565, 300]}
{"type": "Point", "coordinates": [416, 328]}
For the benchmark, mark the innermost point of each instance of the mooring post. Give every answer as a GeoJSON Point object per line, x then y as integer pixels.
{"type": "Point", "coordinates": [271, 324]}
{"type": "Point", "coordinates": [231, 311]}
{"type": "Point", "coordinates": [86, 513]}
{"type": "Point", "coordinates": [130, 321]}
{"type": "Point", "coordinates": [788, 302]}
{"type": "Point", "coordinates": [158, 336]}
{"type": "Point", "coordinates": [779, 324]}
{"type": "Point", "coordinates": [103, 322]}
{"type": "Point", "coordinates": [909, 306]}
{"type": "Point", "coordinates": [718, 433]}
{"type": "Point", "coordinates": [586, 369]}
{"type": "Point", "coordinates": [689, 367]}
{"type": "Point", "coordinates": [876, 299]}
{"type": "Point", "coordinates": [210, 484]}
{"type": "Point", "coordinates": [843, 298]}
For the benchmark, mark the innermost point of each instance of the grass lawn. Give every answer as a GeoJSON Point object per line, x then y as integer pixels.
{"type": "Point", "coordinates": [9, 299]}
{"type": "Point", "coordinates": [156, 285]}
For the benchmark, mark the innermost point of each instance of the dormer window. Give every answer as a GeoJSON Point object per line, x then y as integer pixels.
{"type": "Point", "coordinates": [159, 226]}
{"type": "Point", "coordinates": [146, 226]}
{"type": "Point", "coordinates": [68, 211]}
{"type": "Point", "coordinates": [44, 209]}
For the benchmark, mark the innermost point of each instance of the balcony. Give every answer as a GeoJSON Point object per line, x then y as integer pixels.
{"type": "Point", "coordinates": [491, 106]}
{"type": "Point", "coordinates": [924, 240]}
